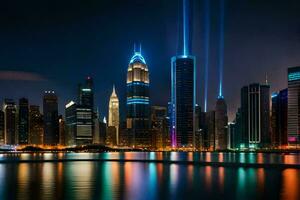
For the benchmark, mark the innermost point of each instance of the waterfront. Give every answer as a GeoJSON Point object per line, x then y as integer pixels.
{"type": "Point", "coordinates": [79, 178]}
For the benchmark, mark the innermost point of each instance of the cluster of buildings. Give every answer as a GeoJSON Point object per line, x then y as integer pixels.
{"type": "Point", "coordinates": [262, 120]}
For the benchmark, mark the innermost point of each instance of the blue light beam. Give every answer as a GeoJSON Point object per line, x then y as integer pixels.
{"type": "Point", "coordinates": [206, 50]}
{"type": "Point", "coordinates": [221, 47]}
{"type": "Point", "coordinates": [186, 35]}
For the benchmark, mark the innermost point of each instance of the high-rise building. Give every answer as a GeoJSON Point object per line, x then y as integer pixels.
{"type": "Point", "coordinates": [36, 126]}
{"type": "Point", "coordinates": [293, 119]}
{"type": "Point", "coordinates": [159, 127]}
{"type": "Point", "coordinates": [221, 120]}
{"type": "Point", "coordinates": [279, 118]}
{"type": "Point", "coordinates": [51, 123]}
{"type": "Point", "coordinates": [255, 113]}
{"type": "Point", "coordinates": [113, 114]}
{"type": "Point", "coordinates": [183, 96]}
{"type": "Point", "coordinates": [10, 122]}
{"type": "Point", "coordinates": [62, 134]}
{"type": "Point", "coordinates": [210, 130]}
{"type": "Point", "coordinates": [23, 122]}
{"type": "Point", "coordinates": [86, 105]}
{"type": "Point", "coordinates": [86, 94]}
{"type": "Point", "coordinates": [138, 109]}
{"type": "Point", "coordinates": [79, 124]}
{"type": "Point", "coordinates": [102, 131]}
{"type": "Point", "coordinates": [1, 127]}
{"type": "Point", "coordinates": [96, 135]}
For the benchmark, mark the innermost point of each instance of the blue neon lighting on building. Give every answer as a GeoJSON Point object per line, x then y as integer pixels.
{"type": "Point", "coordinates": [294, 76]}
{"type": "Point", "coordinates": [137, 57]}
{"type": "Point", "coordinates": [137, 101]}
{"type": "Point", "coordinates": [185, 26]}
{"type": "Point", "coordinates": [275, 94]}
{"type": "Point", "coordinates": [137, 83]}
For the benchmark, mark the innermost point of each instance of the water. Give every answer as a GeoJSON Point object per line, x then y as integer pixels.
{"type": "Point", "coordinates": [83, 176]}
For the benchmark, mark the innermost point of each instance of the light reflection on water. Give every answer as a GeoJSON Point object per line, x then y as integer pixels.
{"type": "Point", "coordinates": [139, 180]}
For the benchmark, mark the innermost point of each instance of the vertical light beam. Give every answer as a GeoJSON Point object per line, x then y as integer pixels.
{"type": "Point", "coordinates": [206, 49]}
{"type": "Point", "coordinates": [185, 26]}
{"type": "Point", "coordinates": [221, 46]}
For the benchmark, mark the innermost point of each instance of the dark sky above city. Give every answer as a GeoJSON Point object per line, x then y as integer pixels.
{"type": "Point", "coordinates": [56, 44]}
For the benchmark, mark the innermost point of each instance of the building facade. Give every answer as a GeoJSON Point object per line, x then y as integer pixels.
{"type": "Point", "coordinates": [1, 127]}
{"type": "Point", "coordinates": [255, 113]}
{"type": "Point", "coordinates": [221, 120]}
{"type": "Point", "coordinates": [159, 127]}
{"type": "Point", "coordinates": [279, 118]}
{"type": "Point", "coordinates": [293, 129]}
{"type": "Point", "coordinates": [50, 114]}
{"type": "Point", "coordinates": [183, 99]}
{"type": "Point", "coordinates": [113, 115]}
{"type": "Point", "coordinates": [10, 122]}
{"type": "Point", "coordinates": [138, 110]}
{"type": "Point", "coordinates": [23, 122]}
{"type": "Point", "coordinates": [36, 126]}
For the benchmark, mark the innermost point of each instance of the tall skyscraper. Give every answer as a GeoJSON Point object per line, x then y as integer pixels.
{"type": "Point", "coordinates": [23, 122]}
{"type": "Point", "coordinates": [36, 126]}
{"type": "Point", "coordinates": [221, 121]}
{"type": "Point", "coordinates": [1, 127]}
{"type": "Point", "coordinates": [113, 114]}
{"type": "Point", "coordinates": [138, 101]}
{"type": "Point", "coordinates": [183, 89]}
{"type": "Point", "coordinates": [183, 96]}
{"type": "Point", "coordinates": [79, 124]}
{"type": "Point", "coordinates": [255, 113]}
{"type": "Point", "coordinates": [10, 122]}
{"type": "Point", "coordinates": [279, 118]}
{"type": "Point", "coordinates": [293, 106]}
{"type": "Point", "coordinates": [86, 105]}
{"type": "Point", "coordinates": [62, 134]}
{"type": "Point", "coordinates": [51, 124]}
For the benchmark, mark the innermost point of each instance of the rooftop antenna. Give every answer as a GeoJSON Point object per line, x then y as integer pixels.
{"type": "Point", "coordinates": [266, 79]}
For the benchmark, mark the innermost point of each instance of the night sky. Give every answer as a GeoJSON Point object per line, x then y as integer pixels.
{"type": "Point", "coordinates": [56, 44]}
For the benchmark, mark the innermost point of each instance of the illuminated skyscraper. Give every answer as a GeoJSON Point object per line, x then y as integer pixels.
{"type": "Point", "coordinates": [36, 129]}
{"type": "Point", "coordinates": [255, 115]}
{"type": "Point", "coordinates": [183, 89]}
{"type": "Point", "coordinates": [221, 121]}
{"type": "Point", "coordinates": [51, 125]}
{"type": "Point", "coordinates": [113, 114]}
{"type": "Point", "coordinates": [78, 124]}
{"type": "Point", "coordinates": [86, 93]}
{"type": "Point", "coordinates": [138, 101]}
{"type": "Point", "coordinates": [23, 122]}
{"type": "Point", "coordinates": [293, 106]}
{"type": "Point", "coordinates": [10, 121]}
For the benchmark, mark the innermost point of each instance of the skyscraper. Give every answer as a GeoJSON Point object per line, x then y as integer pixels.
{"type": "Point", "coordinates": [23, 122]}
{"type": "Point", "coordinates": [1, 127]}
{"type": "Point", "coordinates": [85, 105]}
{"type": "Point", "coordinates": [221, 121]}
{"type": "Point", "coordinates": [159, 126]}
{"type": "Point", "coordinates": [183, 89]}
{"type": "Point", "coordinates": [36, 126]}
{"type": "Point", "coordinates": [279, 118]}
{"type": "Point", "coordinates": [79, 124]}
{"type": "Point", "coordinates": [113, 114]}
{"type": "Point", "coordinates": [62, 133]}
{"type": "Point", "coordinates": [51, 124]}
{"type": "Point", "coordinates": [137, 119]}
{"type": "Point", "coordinates": [293, 106]}
{"type": "Point", "coordinates": [183, 96]}
{"type": "Point", "coordinates": [255, 113]}
{"type": "Point", "coordinates": [10, 122]}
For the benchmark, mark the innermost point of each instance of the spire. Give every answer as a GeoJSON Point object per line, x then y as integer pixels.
{"type": "Point", "coordinates": [266, 79]}
{"type": "Point", "coordinates": [114, 91]}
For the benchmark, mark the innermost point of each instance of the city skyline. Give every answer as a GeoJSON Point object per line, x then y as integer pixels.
{"type": "Point", "coordinates": [278, 51]}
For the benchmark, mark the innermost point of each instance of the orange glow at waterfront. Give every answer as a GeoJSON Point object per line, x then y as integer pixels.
{"type": "Point", "coordinates": [291, 184]}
